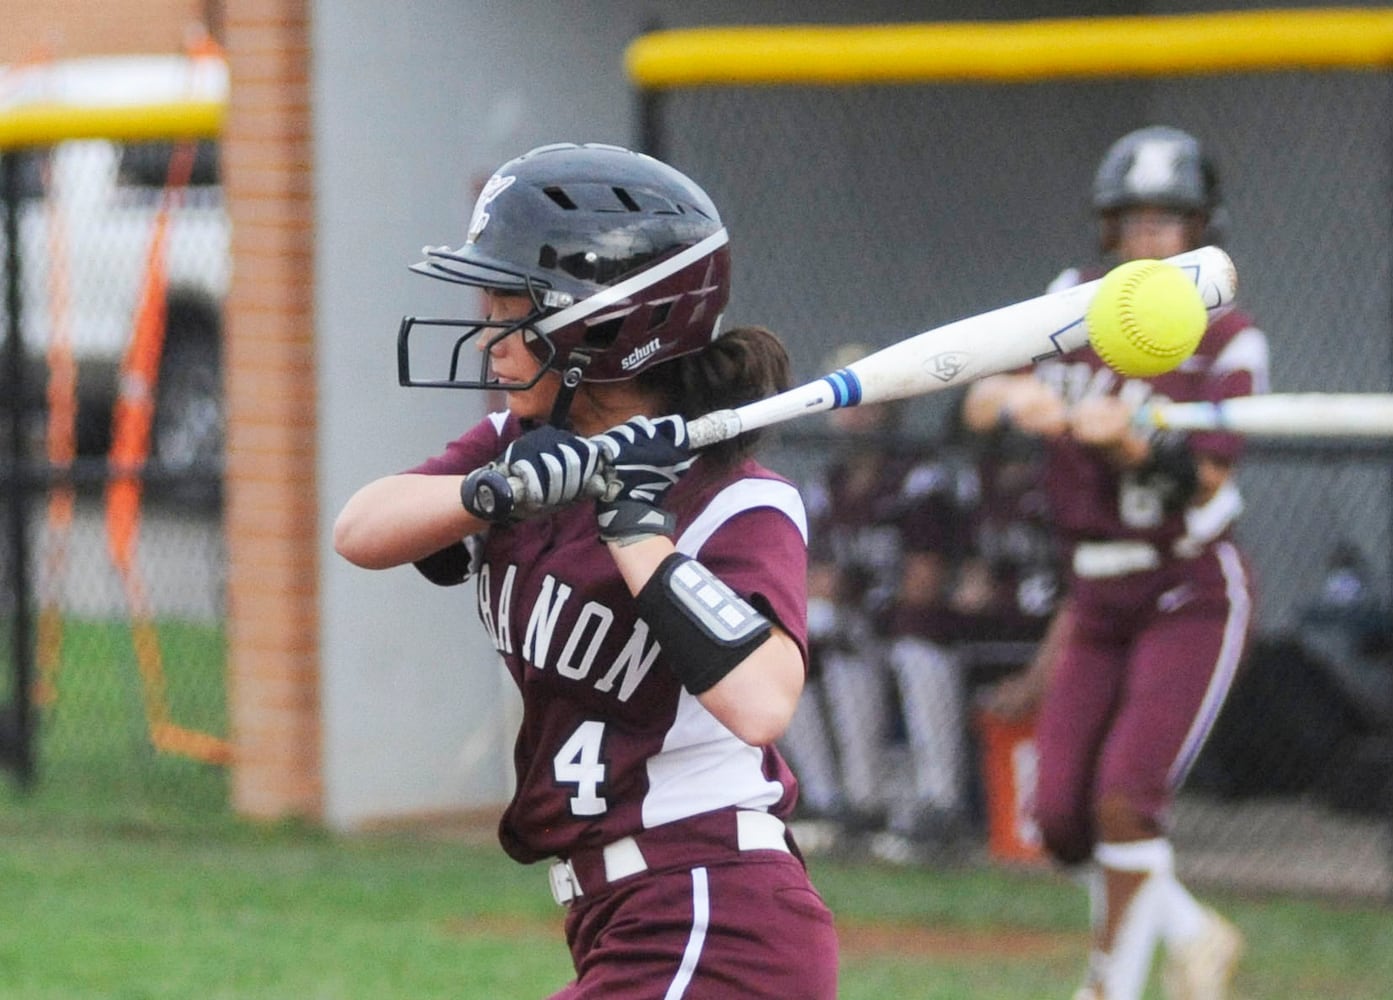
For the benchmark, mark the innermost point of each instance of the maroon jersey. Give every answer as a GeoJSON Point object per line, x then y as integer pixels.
{"type": "Point", "coordinates": [866, 514]}
{"type": "Point", "coordinates": [1092, 500]}
{"type": "Point", "coordinates": [610, 742]}
{"type": "Point", "coordinates": [1014, 552]}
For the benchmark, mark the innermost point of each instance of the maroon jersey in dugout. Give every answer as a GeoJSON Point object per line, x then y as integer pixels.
{"type": "Point", "coordinates": [610, 742]}
{"type": "Point", "coordinates": [864, 521]}
{"type": "Point", "coordinates": [1090, 499]}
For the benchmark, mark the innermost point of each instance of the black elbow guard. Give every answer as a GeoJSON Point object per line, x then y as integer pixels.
{"type": "Point", "coordinates": [448, 567]}
{"type": "Point", "coordinates": [705, 628]}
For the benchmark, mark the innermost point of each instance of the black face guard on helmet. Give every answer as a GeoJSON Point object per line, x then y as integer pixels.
{"type": "Point", "coordinates": [624, 260]}
{"type": "Point", "coordinates": [471, 331]}
{"type": "Point", "coordinates": [674, 296]}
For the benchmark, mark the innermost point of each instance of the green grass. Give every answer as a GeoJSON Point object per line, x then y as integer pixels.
{"type": "Point", "coordinates": [138, 912]}
{"type": "Point", "coordinates": [123, 877]}
{"type": "Point", "coordinates": [94, 741]}
{"type": "Point", "coordinates": [120, 906]}
{"type": "Point", "coordinates": [1017, 935]}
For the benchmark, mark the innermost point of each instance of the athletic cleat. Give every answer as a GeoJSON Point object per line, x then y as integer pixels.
{"type": "Point", "coordinates": [1088, 993]}
{"type": "Point", "coordinates": [1201, 969]}
{"type": "Point", "coordinates": [817, 836]}
{"type": "Point", "coordinates": [895, 849]}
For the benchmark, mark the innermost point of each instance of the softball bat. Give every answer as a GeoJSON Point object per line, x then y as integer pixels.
{"type": "Point", "coordinates": [1296, 415]}
{"type": "Point", "coordinates": [944, 357]}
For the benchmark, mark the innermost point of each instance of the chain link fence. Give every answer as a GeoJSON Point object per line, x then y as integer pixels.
{"type": "Point", "coordinates": [116, 255]}
{"type": "Point", "coordinates": [872, 212]}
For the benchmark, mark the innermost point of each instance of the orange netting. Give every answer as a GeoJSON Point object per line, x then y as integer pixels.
{"type": "Point", "coordinates": [132, 420]}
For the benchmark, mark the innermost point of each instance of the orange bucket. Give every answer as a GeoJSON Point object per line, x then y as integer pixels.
{"type": "Point", "coordinates": [1009, 765]}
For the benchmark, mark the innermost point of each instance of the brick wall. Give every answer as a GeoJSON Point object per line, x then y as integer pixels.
{"type": "Point", "coordinates": [100, 27]}
{"type": "Point", "coordinates": [271, 519]}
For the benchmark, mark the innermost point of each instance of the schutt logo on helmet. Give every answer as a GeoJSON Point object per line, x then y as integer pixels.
{"type": "Point", "coordinates": [641, 354]}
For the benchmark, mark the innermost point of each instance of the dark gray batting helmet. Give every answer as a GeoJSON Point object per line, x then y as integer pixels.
{"type": "Point", "coordinates": [1157, 165]}
{"type": "Point", "coordinates": [1164, 167]}
{"type": "Point", "coordinates": [624, 257]}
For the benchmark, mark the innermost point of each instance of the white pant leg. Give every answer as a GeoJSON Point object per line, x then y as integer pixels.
{"type": "Point", "coordinates": [856, 694]}
{"type": "Point", "coordinates": [931, 692]}
{"type": "Point", "coordinates": [808, 743]}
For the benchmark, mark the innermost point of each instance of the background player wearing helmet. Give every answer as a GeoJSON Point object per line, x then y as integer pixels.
{"type": "Point", "coordinates": [645, 760]}
{"type": "Point", "coordinates": [1138, 662]}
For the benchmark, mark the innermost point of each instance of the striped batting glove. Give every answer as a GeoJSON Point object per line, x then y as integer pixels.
{"type": "Point", "coordinates": [643, 459]}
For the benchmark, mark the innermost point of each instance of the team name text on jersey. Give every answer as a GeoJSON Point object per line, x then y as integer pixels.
{"type": "Point", "coordinates": [577, 653]}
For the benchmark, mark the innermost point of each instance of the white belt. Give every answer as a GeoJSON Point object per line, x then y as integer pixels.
{"type": "Point", "coordinates": [754, 831]}
{"type": "Point", "coordinates": [1103, 559]}
{"type": "Point", "coordinates": [564, 885]}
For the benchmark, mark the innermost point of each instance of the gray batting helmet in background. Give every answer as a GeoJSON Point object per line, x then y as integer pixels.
{"type": "Point", "coordinates": [1162, 166]}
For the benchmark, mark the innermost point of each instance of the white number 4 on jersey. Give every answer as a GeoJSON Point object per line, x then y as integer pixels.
{"type": "Point", "coordinates": [578, 763]}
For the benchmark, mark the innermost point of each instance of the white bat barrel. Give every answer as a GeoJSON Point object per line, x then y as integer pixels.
{"type": "Point", "coordinates": [946, 357]}
{"type": "Point", "coordinates": [1301, 415]}
{"type": "Point", "coordinates": [961, 352]}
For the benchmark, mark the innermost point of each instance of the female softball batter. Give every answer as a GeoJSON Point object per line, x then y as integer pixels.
{"type": "Point", "coordinates": [1142, 654]}
{"type": "Point", "coordinates": [657, 635]}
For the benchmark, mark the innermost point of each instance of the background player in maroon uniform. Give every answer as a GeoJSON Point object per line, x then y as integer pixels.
{"type": "Point", "coordinates": [657, 635]}
{"type": "Point", "coordinates": [883, 529]}
{"type": "Point", "coordinates": [1141, 656]}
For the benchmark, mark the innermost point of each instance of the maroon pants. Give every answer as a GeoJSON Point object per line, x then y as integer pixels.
{"type": "Point", "coordinates": [739, 924]}
{"type": "Point", "coordinates": [1137, 689]}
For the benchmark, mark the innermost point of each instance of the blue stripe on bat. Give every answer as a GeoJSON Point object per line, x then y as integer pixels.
{"type": "Point", "coordinates": [846, 388]}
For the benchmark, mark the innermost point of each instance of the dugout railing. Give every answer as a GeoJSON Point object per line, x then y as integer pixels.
{"type": "Point", "coordinates": [116, 255]}
{"type": "Point", "coordinates": [879, 180]}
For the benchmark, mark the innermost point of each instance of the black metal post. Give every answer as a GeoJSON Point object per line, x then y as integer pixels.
{"type": "Point", "coordinates": [1388, 284]}
{"type": "Point", "coordinates": [16, 720]}
{"type": "Point", "coordinates": [650, 122]}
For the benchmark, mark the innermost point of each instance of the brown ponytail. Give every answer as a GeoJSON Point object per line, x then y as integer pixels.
{"type": "Point", "coordinates": [740, 366]}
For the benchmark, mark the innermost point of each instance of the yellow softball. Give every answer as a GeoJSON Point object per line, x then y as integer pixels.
{"type": "Point", "coordinates": [1146, 318]}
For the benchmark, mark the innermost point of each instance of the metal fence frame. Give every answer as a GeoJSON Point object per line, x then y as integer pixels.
{"type": "Point", "coordinates": [25, 129]}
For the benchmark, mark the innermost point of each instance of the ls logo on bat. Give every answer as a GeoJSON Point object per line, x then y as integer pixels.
{"type": "Point", "coordinates": [947, 366]}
